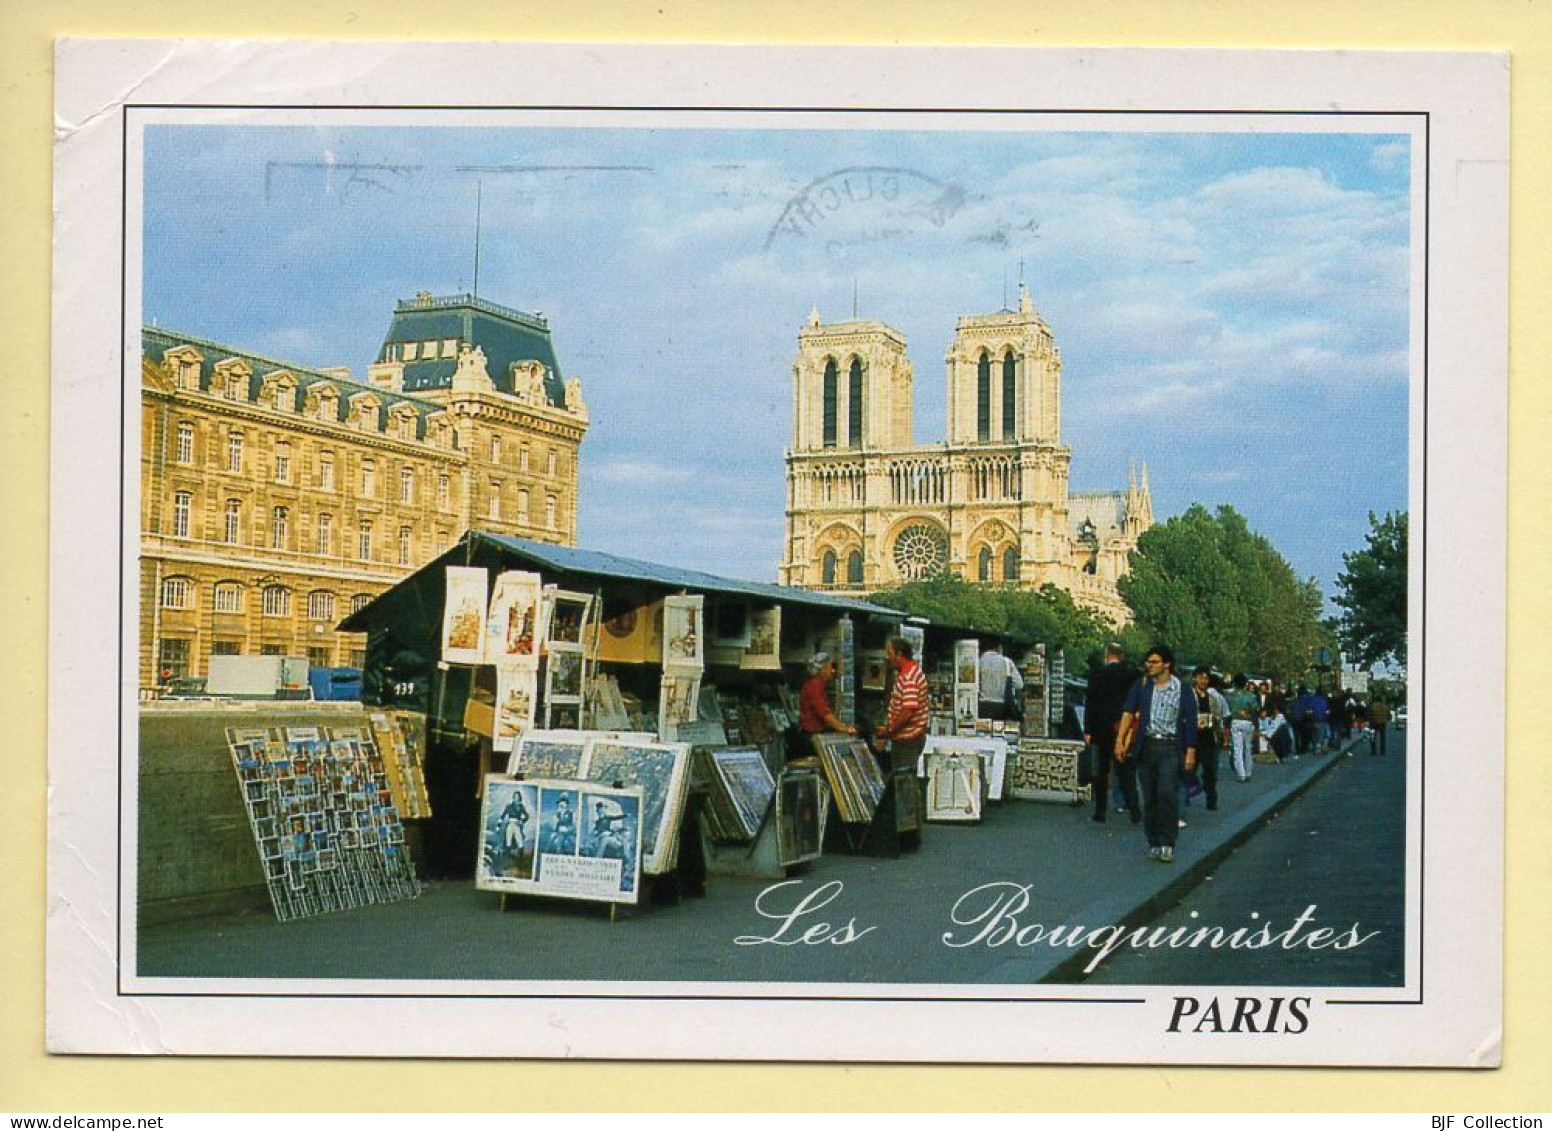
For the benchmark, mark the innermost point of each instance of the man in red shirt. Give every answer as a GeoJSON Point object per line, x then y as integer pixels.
{"type": "Point", "coordinates": [815, 715]}
{"type": "Point", "coordinates": [906, 728]}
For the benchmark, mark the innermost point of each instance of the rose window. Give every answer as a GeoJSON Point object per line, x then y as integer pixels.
{"type": "Point", "coordinates": [920, 550]}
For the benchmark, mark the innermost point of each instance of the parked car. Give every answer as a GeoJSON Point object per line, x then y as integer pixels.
{"type": "Point", "coordinates": [1401, 717]}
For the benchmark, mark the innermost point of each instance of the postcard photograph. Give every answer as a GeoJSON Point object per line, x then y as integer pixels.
{"type": "Point", "coordinates": [1128, 413]}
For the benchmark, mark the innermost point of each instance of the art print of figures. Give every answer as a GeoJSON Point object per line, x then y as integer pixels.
{"type": "Point", "coordinates": [511, 821]}
{"type": "Point", "coordinates": [967, 656]}
{"type": "Point", "coordinates": [513, 630]}
{"type": "Point", "coordinates": [678, 699]}
{"type": "Point", "coordinates": [661, 770]}
{"type": "Point", "coordinates": [763, 652]}
{"type": "Point", "coordinates": [683, 640]}
{"type": "Point", "coordinates": [565, 675]}
{"type": "Point", "coordinates": [558, 823]}
{"type": "Point", "coordinates": [556, 838]}
{"type": "Point", "coordinates": [463, 616]}
{"type": "Point", "coordinates": [549, 754]}
{"type": "Point", "coordinates": [954, 786]}
{"type": "Point", "coordinates": [802, 801]}
{"type": "Point", "coordinates": [515, 701]}
{"type": "Point", "coordinates": [568, 615]}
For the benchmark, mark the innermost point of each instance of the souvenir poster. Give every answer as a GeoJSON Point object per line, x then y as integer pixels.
{"type": "Point", "coordinates": [967, 683]}
{"type": "Point", "coordinates": [513, 629]}
{"type": "Point", "coordinates": [844, 690]}
{"type": "Point", "coordinates": [607, 704]}
{"type": "Point", "coordinates": [763, 652]}
{"type": "Point", "coordinates": [993, 752]}
{"type": "Point", "coordinates": [516, 695]}
{"type": "Point", "coordinates": [567, 617]}
{"type": "Point", "coordinates": [802, 804]}
{"type": "Point", "coordinates": [661, 771]}
{"type": "Point", "coordinates": [731, 622]}
{"type": "Point", "coordinates": [463, 616]}
{"type": "Point", "coordinates": [954, 785]}
{"type": "Point", "coordinates": [1315, 238]}
{"type": "Point", "coordinates": [678, 699]}
{"type": "Point", "coordinates": [560, 838]}
{"type": "Point", "coordinates": [874, 671]}
{"type": "Point", "coordinates": [683, 639]}
{"type": "Point", "coordinates": [566, 666]}
{"type": "Point", "coordinates": [549, 754]}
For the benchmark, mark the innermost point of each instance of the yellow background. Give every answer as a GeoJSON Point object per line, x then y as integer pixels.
{"type": "Point", "coordinates": [31, 1081]}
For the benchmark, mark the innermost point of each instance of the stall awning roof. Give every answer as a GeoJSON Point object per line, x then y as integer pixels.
{"type": "Point", "coordinates": [596, 563]}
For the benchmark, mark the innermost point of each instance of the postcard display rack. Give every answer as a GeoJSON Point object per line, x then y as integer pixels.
{"type": "Point", "coordinates": [328, 833]}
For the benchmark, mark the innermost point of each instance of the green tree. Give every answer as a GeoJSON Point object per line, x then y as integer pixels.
{"type": "Point", "coordinates": [1218, 593]}
{"type": "Point", "coordinates": [1043, 616]}
{"type": "Point", "coordinates": [1372, 594]}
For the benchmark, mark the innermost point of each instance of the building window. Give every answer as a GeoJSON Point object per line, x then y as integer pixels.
{"type": "Point", "coordinates": [234, 453]}
{"type": "Point", "coordinates": [325, 536]}
{"type": "Point", "coordinates": [188, 374]}
{"type": "Point", "coordinates": [182, 505]}
{"type": "Point", "coordinates": [406, 485]}
{"type": "Point", "coordinates": [233, 531]}
{"type": "Point", "coordinates": [449, 347]}
{"type": "Point", "coordinates": [854, 416]}
{"type": "Point", "coordinates": [226, 648]}
{"type": "Point", "coordinates": [185, 450]}
{"type": "Point", "coordinates": [550, 464]}
{"type": "Point", "coordinates": [522, 458]}
{"type": "Point", "coordinates": [328, 408]}
{"type": "Point", "coordinates": [364, 541]}
{"type": "Point", "coordinates": [369, 478]}
{"type": "Point", "coordinates": [983, 568]}
{"type": "Point", "coordinates": [830, 395]}
{"type": "Point", "coordinates": [495, 449]}
{"type": "Point", "coordinates": [549, 511]}
{"type": "Point", "coordinates": [406, 544]}
{"type": "Point", "coordinates": [271, 650]}
{"type": "Point", "coordinates": [359, 602]}
{"type": "Point", "coordinates": [1010, 564]}
{"type": "Point", "coordinates": [276, 601]}
{"type": "Point", "coordinates": [854, 568]}
{"type": "Point", "coordinates": [318, 657]}
{"type": "Point", "coordinates": [320, 606]}
{"type": "Point", "coordinates": [282, 463]}
{"type": "Point", "coordinates": [827, 568]}
{"type": "Point", "coordinates": [495, 500]}
{"type": "Point", "coordinates": [1009, 401]}
{"type": "Point", "coordinates": [285, 398]}
{"type": "Point", "coordinates": [358, 657]}
{"type": "Point", "coordinates": [522, 507]}
{"type": "Point", "coordinates": [326, 471]}
{"type": "Point", "coordinates": [983, 398]}
{"type": "Point", "coordinates": [411, 350]}
{"type": "Point", "coordinates": [920, 550]}
{"type": "Point", "coordinates": [172, 658]}
{"type": "Point", "coordinates": [444, 492]}
{"type": "Point", "coordinates": [228, 597]}
{"type": "Point", "coordinates": [236, 388]}
{"type": "Point", "coordinates": [406, 426]}
{"type": "Point", "coordinates": [177, 593]}
{"type": "Point", "coordinates": [279, 528]}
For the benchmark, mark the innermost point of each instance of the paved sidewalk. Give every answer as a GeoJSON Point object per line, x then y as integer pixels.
{"type": "Point", "coordinates": [1076, 872]}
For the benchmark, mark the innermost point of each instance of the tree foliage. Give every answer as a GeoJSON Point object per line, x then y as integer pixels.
{"type": "Point", "coordinates": [1372, 594]}
{"type": "Point", "coordinates": [1044, 616]}
{"type": "Point", "coordinates": [1218, 593]}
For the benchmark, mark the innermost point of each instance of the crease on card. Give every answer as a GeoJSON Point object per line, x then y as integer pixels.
{"type": "Point", "coordinates": [1489, 1053]}
{"type": "Point", "coordinates": [131, 1018]}
{"type": "Point", "coordinates": [65, 130]}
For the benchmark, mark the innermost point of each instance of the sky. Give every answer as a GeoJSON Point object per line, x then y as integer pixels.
{"type": "Point", "coordinates": [1232, 308]}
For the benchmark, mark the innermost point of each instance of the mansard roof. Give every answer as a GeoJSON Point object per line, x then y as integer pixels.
{"type": "Point", "coordinates": [155, 343]}
{"type": "Point", "coordinates": [506, 335]}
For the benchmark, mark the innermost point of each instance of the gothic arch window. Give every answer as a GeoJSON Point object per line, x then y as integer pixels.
{"type": "Point", "coordinates": [1010, 564]}
{"type": "Point", "coordinates": [827, 568]}
{"type": "Point", "coordinates": [983, 397]}
{"type": "Point", "coordinates": [1009, 400]}
{"type": "Point", "coordinates": [830, 395]}
{"type": "Point", "coordinates": [983, 568]}
{"type": "Point", "coordinates": [854, 429]}
{"type": "Point", "coordinates": [854, 568]}
{"type": "Point", "coordinates": [920, 550]}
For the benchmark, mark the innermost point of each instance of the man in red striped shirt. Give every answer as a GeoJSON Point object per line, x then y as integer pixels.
{"type": "Point", "coordinates": [906, 729]}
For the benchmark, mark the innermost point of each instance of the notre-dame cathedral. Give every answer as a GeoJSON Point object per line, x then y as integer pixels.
{"type": "Point", "coordinates": [867, 508]}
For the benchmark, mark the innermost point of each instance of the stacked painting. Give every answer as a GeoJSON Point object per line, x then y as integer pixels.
{"type": "Point", "coordinates": [854, 776]}
{"type": "Point", "coordinates": [328, 833]}
{"type": "Point", "coordinates": [739, 788]}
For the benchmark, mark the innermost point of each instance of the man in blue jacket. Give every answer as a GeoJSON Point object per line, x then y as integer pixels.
{"type": "Point", "coordinates": [1158, 729]}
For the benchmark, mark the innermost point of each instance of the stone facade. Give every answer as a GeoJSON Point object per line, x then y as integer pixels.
{"type": "Point", "coordinates": [277, 499]}
{"type": "Point", "coordinates": [867, 508]}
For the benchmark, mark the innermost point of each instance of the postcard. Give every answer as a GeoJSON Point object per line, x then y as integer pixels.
{"type": "Point", "coordinates": [320, 312]}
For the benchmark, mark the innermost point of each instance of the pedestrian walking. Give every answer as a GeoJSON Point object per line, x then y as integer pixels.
{"type": "Point", "coordinates": [1212, 715]}
{"type": "Point", "coordinates": [1109, 683]}
{"type": "Point", "coordinates": [1158, 731]}
{"type": "Point", "coordinates": [1244, 709]}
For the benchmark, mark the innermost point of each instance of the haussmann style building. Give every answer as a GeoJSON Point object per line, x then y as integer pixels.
{"type": "Point", "coordinates": [276, 499]}
{"type": "Point", "coordinates": [867, 508]}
